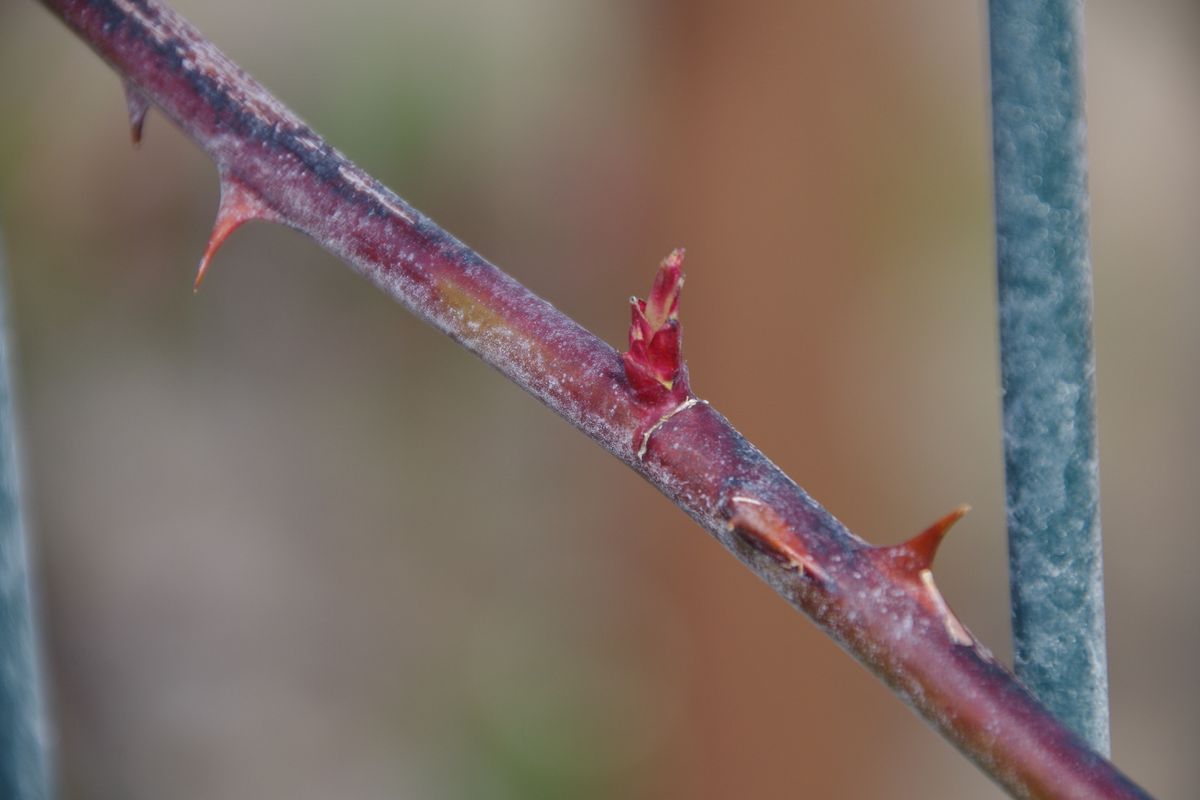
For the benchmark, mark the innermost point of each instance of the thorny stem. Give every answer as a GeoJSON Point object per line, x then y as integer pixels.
{"type": "Point", "coordinates": [880, 604]}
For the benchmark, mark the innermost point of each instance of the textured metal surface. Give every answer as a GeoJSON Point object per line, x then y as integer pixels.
{"type": "Point", "coordinates": [1039, 138]}
{"type": "Point", "coordinates": [23, 763]}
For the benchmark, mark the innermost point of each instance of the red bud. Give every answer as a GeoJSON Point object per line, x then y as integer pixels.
{"type": "Point", "coordinates": [654, 363]}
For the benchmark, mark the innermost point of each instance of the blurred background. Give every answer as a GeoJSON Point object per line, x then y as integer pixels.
{"type": "Point", "coordinates": [291, 542]}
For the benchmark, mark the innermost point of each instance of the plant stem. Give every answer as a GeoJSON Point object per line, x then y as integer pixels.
{"type": "Point", "coordinates": [1046, 361]}
{"type": "Point", "coordinates": [880, 604]}
{"type": "Point", "coordinates": [23, 762]}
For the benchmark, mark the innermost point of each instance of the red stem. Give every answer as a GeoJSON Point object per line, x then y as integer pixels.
{"type": "Point", "coordinates": [880, 604]}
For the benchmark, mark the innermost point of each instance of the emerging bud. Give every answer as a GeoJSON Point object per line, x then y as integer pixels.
{"type": "Point", "coordinates": [654, 363]}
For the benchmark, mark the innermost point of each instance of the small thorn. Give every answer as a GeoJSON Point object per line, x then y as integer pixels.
{"type": "Point", "coordinates": [239, 205]}
{"type": "Point", "coordinates": [137, 105]}
{"type": "Point", "coordinates": [766, 531]}
{"type": "Point", "coordinates": [918, 552]}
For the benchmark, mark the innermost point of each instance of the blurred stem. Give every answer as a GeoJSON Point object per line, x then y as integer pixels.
{"type": "Point", "coordinates": [879, 603]}
{"type": "Point", "coordinates": [24, 773]}
{"type": "Point", "coordinates": [1046, 362]}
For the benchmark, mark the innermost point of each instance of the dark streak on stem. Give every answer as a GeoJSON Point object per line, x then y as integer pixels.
{"type": "Point", "coordinates": [883, 617]}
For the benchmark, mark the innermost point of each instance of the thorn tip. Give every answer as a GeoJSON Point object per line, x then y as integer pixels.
{"type": "Point", "coordinates": [137, 105]}
{"type": "Point", "coordinates": [917, 554]}
{"type": "Point", "coordinates": [239, 205]}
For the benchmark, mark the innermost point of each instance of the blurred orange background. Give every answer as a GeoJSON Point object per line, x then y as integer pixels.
{"type": "Point", "coordinates": [293, 543]}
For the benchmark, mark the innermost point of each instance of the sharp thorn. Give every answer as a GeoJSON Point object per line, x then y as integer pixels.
{"type": "Point", "coordinates": [238, 206]}
{"type": "Point", "coordinates": [137, 105]}
{"type": "Point", "coordinates": [225, 225]}
{"type": "Point", "coordinates": [920, 550]}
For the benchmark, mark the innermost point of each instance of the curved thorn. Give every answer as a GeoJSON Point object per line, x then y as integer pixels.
{"type": "Point", "coordinates": [238, 205]}
{"type": "Point", "coordinates": [918, 552]}
{"type": "Point", "coordinates": [137, 105]}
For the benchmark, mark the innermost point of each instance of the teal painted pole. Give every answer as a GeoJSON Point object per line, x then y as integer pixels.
{"type": "Point", "coordinates": [1046, 362]}
{"type": "Point", "coordinates": [24, 772]}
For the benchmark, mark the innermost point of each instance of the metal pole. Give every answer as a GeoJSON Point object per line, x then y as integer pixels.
{"type": "Point", "coordinates": [1047, 367]}
{"type": "Point", "coordinates": [24, 773]}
